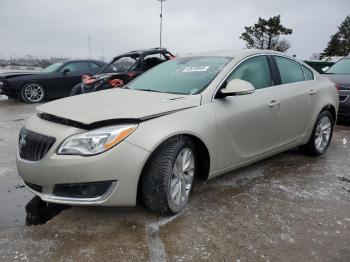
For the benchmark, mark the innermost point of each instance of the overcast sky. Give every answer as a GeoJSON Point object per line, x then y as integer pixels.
{"type": "Point", "coordinates": [62, 27]}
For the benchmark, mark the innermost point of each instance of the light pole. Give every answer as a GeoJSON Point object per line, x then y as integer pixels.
{"type": "Point", "coordinates": [161, 22]}
{"type": "Point", "coordinates": [89, 47]}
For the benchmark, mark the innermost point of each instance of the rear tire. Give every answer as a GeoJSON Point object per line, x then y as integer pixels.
{"type": "Point", "coordinates": [168, 176]}
{"type": "Point", "coordinates": [76, 90]}
{"type": "Point", "coordinates": [321, 135]}
{"type": "Point", "coordinates": [33, 93]}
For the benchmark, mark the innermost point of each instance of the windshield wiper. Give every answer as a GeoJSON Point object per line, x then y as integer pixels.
{"type": "Point", "coordinates": [149, 90]}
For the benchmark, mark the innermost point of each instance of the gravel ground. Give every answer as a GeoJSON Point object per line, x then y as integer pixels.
{"type": "Point", "coordinates": [289, 207]}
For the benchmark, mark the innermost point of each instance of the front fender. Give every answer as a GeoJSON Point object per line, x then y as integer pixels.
{"type": "Point", "coordinates": [197, 121]}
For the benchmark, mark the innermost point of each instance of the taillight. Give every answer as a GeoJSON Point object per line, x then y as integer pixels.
{"type": "Point", "coordinates": [337, 87]}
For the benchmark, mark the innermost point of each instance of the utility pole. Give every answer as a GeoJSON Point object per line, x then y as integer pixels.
{"type": "Point", "coordinates": [161, 22]}
{"type": "Point", "coordinates": [89, 47]}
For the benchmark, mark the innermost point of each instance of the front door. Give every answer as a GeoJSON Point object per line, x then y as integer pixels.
{"type": "Point", "coordinates": [67, 77]}
{"type": "Point", "coordinates": [249, 125]}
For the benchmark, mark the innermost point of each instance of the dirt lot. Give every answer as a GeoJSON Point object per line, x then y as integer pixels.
{"type": "Point", "coordinates": [287, 208]}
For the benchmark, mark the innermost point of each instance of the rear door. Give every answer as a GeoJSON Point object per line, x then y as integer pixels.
{"type": "Point", "coordinates": [249, 125]}
{"type": "Point", "coordinates": [296, 99]}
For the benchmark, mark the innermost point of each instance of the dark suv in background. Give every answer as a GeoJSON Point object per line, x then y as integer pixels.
{"type": "Point", "coordinates": [318, 65]}
{"type": "Point", "coordinates": [339, 73]}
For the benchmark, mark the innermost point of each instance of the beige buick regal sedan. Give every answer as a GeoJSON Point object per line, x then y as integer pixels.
{"type": "Point", "coordinates": [195, 116]}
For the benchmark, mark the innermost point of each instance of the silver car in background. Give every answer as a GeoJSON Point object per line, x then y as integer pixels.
{"type": "Point", "coordinates": [197, 116]}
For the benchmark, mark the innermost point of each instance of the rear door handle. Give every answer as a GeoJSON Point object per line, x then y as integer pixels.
{"type": "Point", "coordinates": [312, 92]}
{"type": "Point", "coordinates": [274, 103]}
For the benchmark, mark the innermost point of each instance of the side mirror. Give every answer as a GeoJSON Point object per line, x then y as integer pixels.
{"type": "Point", "coordinates": [325, 69]}
{"type": "Point", "coordinates": [66, 70]}
{"type": "Point", "coordinates": [237, 87]}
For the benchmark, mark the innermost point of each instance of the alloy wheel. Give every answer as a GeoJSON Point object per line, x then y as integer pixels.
{"type": "Point", "coordinates": [33, 93]}
{"type": "Point", "coordinates": [182, 177]}
{"type": "Point", "coordinates": [323, 134]}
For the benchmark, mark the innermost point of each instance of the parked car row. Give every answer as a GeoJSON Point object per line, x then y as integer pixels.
{"type": "Point", "coordinates": [80, 76]}
{"type": "Point", "coordinates": [196, 116]}
{"type": "Point", "coordinates": [54, 81]}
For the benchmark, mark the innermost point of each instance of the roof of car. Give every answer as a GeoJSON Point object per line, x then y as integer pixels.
{"type": "Point", "coordinates": [233, 52]}
{"type": "Point", "coordinates": [82, 60]}
{"type": "Point", "coordinates": [144, 52]}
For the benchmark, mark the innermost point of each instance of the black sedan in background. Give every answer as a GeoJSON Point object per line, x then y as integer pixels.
{"type": "Point", "coordinates": [55, 81]}
{"type": "Point", "coordinates": [339, 73]}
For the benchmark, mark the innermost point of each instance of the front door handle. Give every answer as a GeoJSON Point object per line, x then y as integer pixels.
{"type": "Point", "coordinates": [274, 103]}
{"type": "Point", "coordinates": [312, 92]}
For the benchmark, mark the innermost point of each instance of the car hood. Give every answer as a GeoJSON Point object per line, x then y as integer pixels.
{"type": "Point", "coordinates": [118, 103]}
{"type": "Point", "coordinates": [343, 80]}
{"type": "Point", "coordinates": [8, 75]}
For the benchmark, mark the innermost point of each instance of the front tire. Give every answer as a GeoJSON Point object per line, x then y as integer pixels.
{"type": "Point", "coordinates": [321, 135]}
{"type": "Point", "coordinates": [33, 93]}
{"type": "Point", "coordinates": [168, 177]}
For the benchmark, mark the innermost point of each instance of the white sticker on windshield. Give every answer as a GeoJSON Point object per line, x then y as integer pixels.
{"type": "Point", "coordinates": [189, 69]}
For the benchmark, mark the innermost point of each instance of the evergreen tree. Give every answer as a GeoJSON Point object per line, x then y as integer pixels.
{"type": "Point", "coordinates": [265, 34]}
{"type": "Point", "coordinates": [339, 44]}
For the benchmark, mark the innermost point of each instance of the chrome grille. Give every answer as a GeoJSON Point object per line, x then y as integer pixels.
{"type": "Point", "coordinates": [33, 146]}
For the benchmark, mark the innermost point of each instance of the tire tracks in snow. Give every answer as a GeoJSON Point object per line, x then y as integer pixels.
{"type": "Point", "coordinates": [155, 244]}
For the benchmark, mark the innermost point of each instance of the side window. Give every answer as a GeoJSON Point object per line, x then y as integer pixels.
{"type": "Point", "coordinates": [93, 65]}
{"type": "Point", "coordinates": [290, 70]}
{"type": "Point", "coordinates": [255, 70]}
{"type": "Point", "coordinates": [153, 60]}
{"type": "Point", "coordinates": [76, 67]}
{"type": "Point", "coordinates": [308, 73]}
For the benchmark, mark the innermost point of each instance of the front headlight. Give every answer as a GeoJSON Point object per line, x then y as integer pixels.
{"type": "Point", "coordinates": [95, 141]}
{"type": "Point", "coordinates": [2, 83]}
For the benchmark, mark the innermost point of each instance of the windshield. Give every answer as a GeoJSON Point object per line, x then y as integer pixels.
{"type": "Point", "coordinates": [188, 75]}
{"type": "Point", "coordinates": [121, 65]}
{"type": "Point", "coordinates": [341, 67]}
{"type": "Point", "coordinates": [52, 68]}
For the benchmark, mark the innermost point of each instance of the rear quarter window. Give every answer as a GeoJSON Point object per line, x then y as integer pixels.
{"type": "Point", "coordinates": [290, 70]}
{"type": "Point", "coordinates": [308, 73]}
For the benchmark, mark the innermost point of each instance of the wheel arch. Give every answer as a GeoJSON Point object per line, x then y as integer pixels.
{"type": "Point", "coordinates": [33, 81]}
{"type": "Point", "coordinates": [202, 154]}
{"type": "Point", "coordinates": [327, 107]}
{"type": "Point", "coordinates": [332, 110]}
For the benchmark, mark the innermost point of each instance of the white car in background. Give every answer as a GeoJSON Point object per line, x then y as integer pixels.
{"type": "Point", "coordinates": [195, 116]}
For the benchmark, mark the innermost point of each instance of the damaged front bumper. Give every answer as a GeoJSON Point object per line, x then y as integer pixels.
{"type": "Point", "coordinates": [108, 179]}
